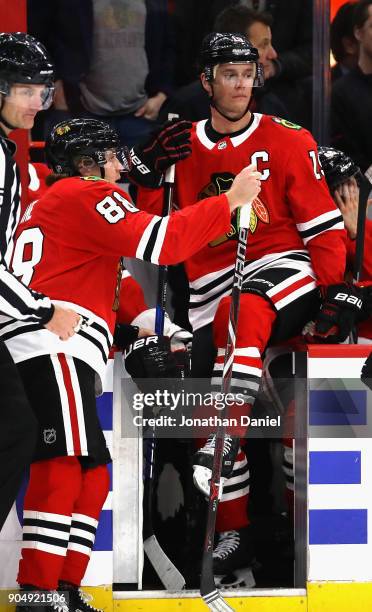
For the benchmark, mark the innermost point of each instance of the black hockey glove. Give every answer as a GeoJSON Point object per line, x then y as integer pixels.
{"type": "Point", "coordinates": [149, 359]}
{"type": "Point", "coordinates": [165, 147]}
{"type": "Point", "coordinates": [366, 374]}
{"type": "Point", "coordinates": [342, 305]}
{"type": "Point", "coordinates": [124, 335]}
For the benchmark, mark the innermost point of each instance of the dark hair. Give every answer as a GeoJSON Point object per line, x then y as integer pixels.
{"type": "Point", "coordinates": [341, 26]}
{"type": "Point", "coordinates": [361, 13]}
{"type": "Point", "coordinates": [239, 19]}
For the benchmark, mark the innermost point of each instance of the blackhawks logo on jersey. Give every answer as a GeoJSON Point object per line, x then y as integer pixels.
{"type": "Point", "coordinates": [220, 183]}
{"type": "Point", "coordinates": [287, 124]}
{"type": "Point", "coordinates": [63, 129]}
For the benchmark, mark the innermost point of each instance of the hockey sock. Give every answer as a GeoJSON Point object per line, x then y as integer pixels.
{"type": "Point", "coordinates": [233, 508]}
{"type": "Point", "coordinates": [50, 498]}
{"type": "Point", "coordinates": [85, 515]}
{"type": "Point", "coordinates": [256, 319]}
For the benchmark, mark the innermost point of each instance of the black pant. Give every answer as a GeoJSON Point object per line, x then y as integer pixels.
{"type": "Point", "coordinates": [18, 428]}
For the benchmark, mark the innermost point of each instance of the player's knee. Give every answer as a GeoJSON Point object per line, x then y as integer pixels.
{"type": "Point", "coordinates": [96, 484]}
{"type": "Point", "coordinates": [57, 477]}
{"type": "Point", "coordinates": [220, 323]}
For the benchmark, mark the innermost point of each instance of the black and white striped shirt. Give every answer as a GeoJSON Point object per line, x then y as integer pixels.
{"type": "Point", "coordinates": [16, 300]}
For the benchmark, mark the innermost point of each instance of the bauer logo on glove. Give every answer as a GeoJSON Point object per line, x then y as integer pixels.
{"type": "Point", "coordinates": [342, 304]}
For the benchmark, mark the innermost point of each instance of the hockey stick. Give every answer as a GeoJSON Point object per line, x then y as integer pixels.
{"type": "Point", "coordinates": [208, 589]}
{"type": "Point", "coordinates": [165, 569]}
{"type": "Point", "coordinates": [364, 190]}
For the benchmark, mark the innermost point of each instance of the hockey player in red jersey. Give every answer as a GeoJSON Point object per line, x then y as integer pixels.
{"type": "Point", "coordinates": [69, 244]}
{"type": "Point", "coordinates": [295, 256]}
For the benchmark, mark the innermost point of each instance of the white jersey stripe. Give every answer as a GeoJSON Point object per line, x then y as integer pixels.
{"type": "Point", "coordinates": [79, 405]}
{"type": "Point", "coordinates": [49, 548]}
{"type": "Point", "coordinates": [82, 533]}
{"type": "Point", "coordinates": [295, 294]}
{"type": "Point", "coordinates": [83, 518]}
{"type": "Point", "coordinates": [85, 550]}
{"type": "Point", "coordinates": [145, 237]}
{"type": "Point", "coordinates": [235, 494]}
{"type": "Point", "coordinates": [65, 405]}
{"type": "Point", "coordinates": [159, 241]}
{"type": "Point", "coordinates": [327, 216]}
{"type": "Point", "coordinates": [47, 516]}
{"type": "Point", "coordinates": [249, 351]}
{"type": "Point", "coordinates": [51, 533]}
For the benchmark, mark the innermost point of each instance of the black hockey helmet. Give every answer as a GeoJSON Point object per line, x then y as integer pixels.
{"type": "Point", "coordinates": [228, 48]}
{"type": "Point", "coordinates": [82, 137]}
{"type": "Point", "coordinates": [337, 166]}
{"type": "Point", "coordinates": [23, 59]}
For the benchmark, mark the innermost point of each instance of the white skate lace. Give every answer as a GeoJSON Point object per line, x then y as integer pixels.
{"type": "Point", "coordinates": [228, 542]}
{"type": "Point", "coordinates": [210, 444]}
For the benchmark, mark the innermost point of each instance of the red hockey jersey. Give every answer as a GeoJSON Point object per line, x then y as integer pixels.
{"type": "Point", "coordinates": [293, 213]}
{"type": "Point", "coordinates": [69, 244]}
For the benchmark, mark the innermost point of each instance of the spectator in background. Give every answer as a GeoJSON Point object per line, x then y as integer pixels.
{"type": "Point", "coordinates": [292, 40]}
{"type": "Point", "coordinates": [70, 44]}
{"type": "Point", "coordinates": [292, 33]}
{"type": "Point", "coordinates": [131, 70]}
{"type": "Point", "coordinates": [344, 45]}
{"type": "Point", "coordinates": [114, 60]}
{"type": "Point", "coordinates": [192, 101]}
{"type": "Point", "coordinates": [352, 96]}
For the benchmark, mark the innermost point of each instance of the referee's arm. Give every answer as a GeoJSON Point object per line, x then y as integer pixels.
{"type": "Point", "coordinates": [16, 300]}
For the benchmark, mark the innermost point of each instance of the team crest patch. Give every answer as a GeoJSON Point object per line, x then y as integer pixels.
{"type": "Point", "coordinates": [50, 436]}
{"type": "Point", "coordinates": [63, 129]}
{"type": "Point", "coordinates": [287, 124]}
{"type": "Point", "coordinates": [90, 178]}
{"type": "Point", "coordinates": [222, 145]}
{"type": "Point", "coordinates": [220, 183]}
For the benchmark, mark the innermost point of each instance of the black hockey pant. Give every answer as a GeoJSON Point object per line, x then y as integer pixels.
{"type": "Point", "coordinates": [18, 428]}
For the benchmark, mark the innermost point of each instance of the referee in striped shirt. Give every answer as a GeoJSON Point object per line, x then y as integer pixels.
{"type": "Point", "coordinates": [26, 87]}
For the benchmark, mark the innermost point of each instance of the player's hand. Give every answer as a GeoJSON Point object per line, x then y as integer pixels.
{"type": "Point", "coordinates": [342, 305]}
{"type": "Point", "coordinates": [166, 146]}
{"type": "Point", "coordinates": [246, 186]}
{"type": "Point", "coordinates": [64, 322]}
{"type": "Point", "coordinates": [347, 199]}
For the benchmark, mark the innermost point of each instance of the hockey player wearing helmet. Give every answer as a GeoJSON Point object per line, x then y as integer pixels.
{"type": "Point", "coordinates": [231, 68]}
{"type": "Point", "coordinates": [26, 83]}
{"type": "Point", "coordinates": [26, 80]}
{"type": "Point", "coordinates": [70, 244]}
{"type": "Point", "coordinates": [295, 230]}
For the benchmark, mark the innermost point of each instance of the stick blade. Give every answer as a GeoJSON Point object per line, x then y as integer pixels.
{"type": "Point", "coordinates": [216, 602]}
{"type": "Point", "coordinates": [165, 569]}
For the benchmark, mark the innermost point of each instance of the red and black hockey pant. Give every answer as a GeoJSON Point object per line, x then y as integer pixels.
{"type": "Point", "coordinates": [69, 479]}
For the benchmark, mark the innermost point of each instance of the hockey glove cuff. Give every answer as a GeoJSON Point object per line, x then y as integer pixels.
{"type": "Point", "coordinates": [149, 359]}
